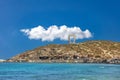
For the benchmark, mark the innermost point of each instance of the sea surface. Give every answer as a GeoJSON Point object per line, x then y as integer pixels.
{"type": "Point", "coordinates": [58, 71]}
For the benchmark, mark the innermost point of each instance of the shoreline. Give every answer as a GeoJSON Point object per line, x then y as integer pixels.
{"type": "Point", "coordinates": [64, 62]}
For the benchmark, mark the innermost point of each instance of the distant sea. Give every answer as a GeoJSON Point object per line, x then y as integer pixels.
{"type": "Point", "coordinates": [58, 71]}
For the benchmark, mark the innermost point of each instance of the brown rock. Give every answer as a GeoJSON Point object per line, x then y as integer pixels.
{"type": "Point", "coordinates": [86, 52]}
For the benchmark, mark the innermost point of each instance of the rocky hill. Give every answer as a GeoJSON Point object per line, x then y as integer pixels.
{"type": "Point", "coordinates": [86, 52]}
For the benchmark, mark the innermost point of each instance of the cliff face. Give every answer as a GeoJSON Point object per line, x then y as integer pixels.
{"type": "Point", "coordinates": [86, 52]}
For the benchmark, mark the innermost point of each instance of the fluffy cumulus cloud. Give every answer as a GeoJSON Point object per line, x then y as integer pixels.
{"type": "Point", "coordinates": [55, 32]}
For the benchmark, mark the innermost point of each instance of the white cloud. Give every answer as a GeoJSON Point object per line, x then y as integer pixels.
{"type": "Point", "coordinates": [54, 32]}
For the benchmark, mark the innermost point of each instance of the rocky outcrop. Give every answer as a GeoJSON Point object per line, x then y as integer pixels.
{"type": "Point", "coordinates": [2, 60]}
{"type": "Point", "coordinates": [86, 52]}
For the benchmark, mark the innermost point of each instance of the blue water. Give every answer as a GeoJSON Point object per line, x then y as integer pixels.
{"type": "Point", "coordinates": [58, 71]}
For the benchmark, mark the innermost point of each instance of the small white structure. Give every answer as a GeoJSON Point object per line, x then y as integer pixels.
{"type": "Point", "coordinates": [71, 36]}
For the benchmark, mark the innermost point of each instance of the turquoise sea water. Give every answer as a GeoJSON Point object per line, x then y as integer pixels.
{"type": "Point", "coordinates": [58, 71]}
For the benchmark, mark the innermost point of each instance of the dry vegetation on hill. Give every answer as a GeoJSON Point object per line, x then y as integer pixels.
{"type": "Point", "coordinates": [86, 52]}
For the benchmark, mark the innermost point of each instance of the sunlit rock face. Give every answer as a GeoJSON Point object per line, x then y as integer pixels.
{"type": "Point", "coordinates": [86, 52]}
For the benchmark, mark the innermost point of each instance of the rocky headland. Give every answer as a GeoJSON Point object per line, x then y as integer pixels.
{"type": "Point", "coordinates": [2, 60]}
{"type": "Point", "coordinates": [85, 52]}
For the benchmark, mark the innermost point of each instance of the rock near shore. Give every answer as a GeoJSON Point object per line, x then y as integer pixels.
{"type": "Point", "coordinates": [86, 52]}
{"type": "Point", "coordinates": [2, 60]}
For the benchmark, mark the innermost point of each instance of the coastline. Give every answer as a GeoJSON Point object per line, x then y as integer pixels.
{"type": "Point", "coordinates": [86, 52]}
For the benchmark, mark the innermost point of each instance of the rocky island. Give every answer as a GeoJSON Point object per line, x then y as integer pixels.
{"type": "Point", "coordinates": [85, 52]}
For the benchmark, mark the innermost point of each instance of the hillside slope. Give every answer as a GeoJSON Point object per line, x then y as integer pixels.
{"type": "Point", "coordinates": [86, 52]}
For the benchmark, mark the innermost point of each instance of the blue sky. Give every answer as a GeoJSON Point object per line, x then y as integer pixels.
{"type": "Point", "coordinates": [101, 17]}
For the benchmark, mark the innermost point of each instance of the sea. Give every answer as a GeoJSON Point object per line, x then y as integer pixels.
{"type": "Point", "coordinates": [59, 71]}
